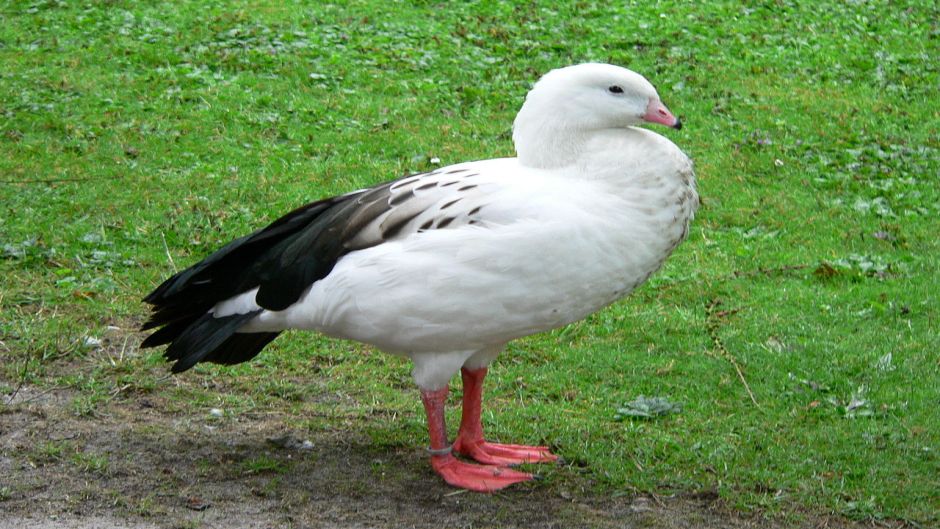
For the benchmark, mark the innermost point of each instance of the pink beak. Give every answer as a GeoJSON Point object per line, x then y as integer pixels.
{"type": "Point", "coordinates": [656, 112]}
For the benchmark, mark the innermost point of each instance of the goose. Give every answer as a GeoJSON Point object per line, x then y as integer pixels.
{"type": "Point", "coordinates": [446, 267]}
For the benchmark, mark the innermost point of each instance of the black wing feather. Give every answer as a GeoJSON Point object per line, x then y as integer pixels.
{"type": "Point", "coordinates": [181, 304]}
{"type": "Point", "coordinates": [282, 260]}
{"type": "Point", "coordinates": [228, 271]}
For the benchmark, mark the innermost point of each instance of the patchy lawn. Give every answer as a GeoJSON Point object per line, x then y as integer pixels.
{"type": "Point", "coordinates": [782, 369]}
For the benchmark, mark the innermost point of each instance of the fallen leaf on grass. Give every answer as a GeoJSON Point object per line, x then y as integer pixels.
{"type": "Point", "coordinates": [644, 407]}
{"type": "Point", "coordinates": [859, 405]}
{"type": "Point", "coordinates": [811, 384]}
{"type": "Point", "coordinates": [885, 363]}
{"type": "Point", "coordinates": [825, 270]}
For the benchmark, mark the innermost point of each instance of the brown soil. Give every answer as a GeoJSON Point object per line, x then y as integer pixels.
{"type": "Point", "coordinates": [137, 465]}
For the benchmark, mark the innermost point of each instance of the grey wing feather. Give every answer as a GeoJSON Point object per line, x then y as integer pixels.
{"type": "Point", "coordinates": [414, 204]}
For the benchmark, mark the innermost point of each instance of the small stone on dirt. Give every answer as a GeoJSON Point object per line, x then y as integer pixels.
{"type": "Point", "coordinates": [196, 503]}
{"type": "Point", "coordinates": [290, 442]}
{"type": "Point", "coordinates": [641, 504]}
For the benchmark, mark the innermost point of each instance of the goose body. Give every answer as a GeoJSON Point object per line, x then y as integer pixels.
{"type": "Point", "coordinates": [448, 266]}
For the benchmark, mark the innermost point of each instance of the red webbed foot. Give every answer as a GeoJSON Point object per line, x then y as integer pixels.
{"type": "Point", "coordinates": [502, 454]}
{"type": "Point", "coordinates": [480, 478]}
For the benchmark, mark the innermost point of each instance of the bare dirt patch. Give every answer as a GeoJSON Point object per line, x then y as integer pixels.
{"type": "Point", "coordinates": [135, 464]}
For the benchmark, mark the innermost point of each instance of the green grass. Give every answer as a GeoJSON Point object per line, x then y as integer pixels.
{"type": "Point", "coordinates": [136, 137]}
{"type": "Point", "coordinates": [91, 463]}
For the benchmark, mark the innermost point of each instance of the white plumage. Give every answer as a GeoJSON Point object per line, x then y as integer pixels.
{"type": "Point", "coordinates": [447, 267]}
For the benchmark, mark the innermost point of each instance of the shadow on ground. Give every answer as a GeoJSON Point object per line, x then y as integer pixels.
{"type": "Point", "coordinates": [136, 465]}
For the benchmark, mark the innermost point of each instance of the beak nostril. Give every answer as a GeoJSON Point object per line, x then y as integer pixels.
{"type": "Point", "coordinates": [656, 112]}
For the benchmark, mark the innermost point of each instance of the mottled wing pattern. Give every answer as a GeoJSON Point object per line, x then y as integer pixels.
{"type": "Point", "coordinates": [430, 201]}
{"type": "Point", "coordinates": [286, 257]}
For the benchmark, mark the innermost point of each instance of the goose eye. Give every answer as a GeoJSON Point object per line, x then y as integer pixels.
{"type": "Point", "coordinates": [615, 89]}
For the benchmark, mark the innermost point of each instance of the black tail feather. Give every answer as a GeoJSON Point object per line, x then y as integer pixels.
{"type": "Point", "coordinates": [167, 334]}
{"type": "Point", "coordinates": [240, 347]}
{"type": "Point", "coordinates": [285, 258]}
{"type": "Point", "coordinates": [203, 339]}
{"type": "Point", "coordinates": [192, 340]}
{"type": "Point", "coordinates": [171, 313]}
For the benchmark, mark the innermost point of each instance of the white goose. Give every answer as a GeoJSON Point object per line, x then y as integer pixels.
{"type": "Point", "coordinates": [446, 267]}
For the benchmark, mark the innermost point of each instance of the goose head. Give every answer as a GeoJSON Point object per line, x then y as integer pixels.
{"type": "Point", "coordinates": [570, 103]}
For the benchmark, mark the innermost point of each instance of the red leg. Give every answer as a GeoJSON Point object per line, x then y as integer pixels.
{"type": "Point", "coordinates": [470, 440]}
{"type": "Point", "coordinates": [481, 478]}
